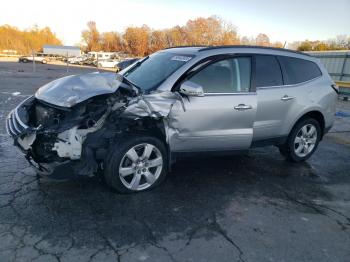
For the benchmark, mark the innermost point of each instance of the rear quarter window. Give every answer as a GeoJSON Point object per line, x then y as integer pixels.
{"type": "Point", "coordinates": [296, 70]}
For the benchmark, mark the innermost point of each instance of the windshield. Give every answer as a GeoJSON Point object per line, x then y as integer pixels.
{"type": "Point", "coordinates": [154, 70]}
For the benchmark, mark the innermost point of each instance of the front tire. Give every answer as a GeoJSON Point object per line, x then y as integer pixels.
{"type": "Point", "coordinates": [302, 140]}
{"type": "Point", "coordinates": [136, 164]}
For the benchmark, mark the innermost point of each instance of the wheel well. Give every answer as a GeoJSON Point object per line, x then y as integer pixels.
{"type": "Point", "coordinates": [317, 115]}
{"type": "Point", "coordinates": [152, 127]}
{"type": "Point", "coordinates": [149, 126]}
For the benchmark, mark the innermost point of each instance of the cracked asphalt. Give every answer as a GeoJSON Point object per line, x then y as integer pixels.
{"type": "Point", "coordinates": [248, 207]}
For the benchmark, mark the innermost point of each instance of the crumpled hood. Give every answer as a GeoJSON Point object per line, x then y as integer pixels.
{"type": "Point", "coordinates": [71, 90]}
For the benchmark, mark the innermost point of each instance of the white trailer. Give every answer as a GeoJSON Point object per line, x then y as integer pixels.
{"type": "Point", "coordinates": [102, 55]}
{"type": "Point", "coordinates": [62, 50]}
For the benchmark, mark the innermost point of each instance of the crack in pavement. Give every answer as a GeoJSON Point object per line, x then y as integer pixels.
{"type": "Point", "coordinates": [317, 208]}
{"type": "Point", "coordinates": [100, 233]}
{"type": "Point", "coordinates": [213, 225]}
{"type": "Point", "coordinates": [152, 238]}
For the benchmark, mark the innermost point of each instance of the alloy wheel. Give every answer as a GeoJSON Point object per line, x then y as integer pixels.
{"type": "Point", "coordinates": [140, 167]}
{"type": "Point", "coordinates": [305, 140]}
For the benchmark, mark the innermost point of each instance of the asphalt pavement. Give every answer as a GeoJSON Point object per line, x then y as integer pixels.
{"type": "Point", "coordinates": [248, 207]}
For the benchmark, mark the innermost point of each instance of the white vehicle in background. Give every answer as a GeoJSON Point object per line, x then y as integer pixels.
{"type": "Point", "coordinates": [37, 58]}
{"type": "Point", "coordinates": [77, 60]}
{"type": "Point", "coordinates": [109, 63]}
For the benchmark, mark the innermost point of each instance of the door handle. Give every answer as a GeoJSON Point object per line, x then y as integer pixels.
{"type": "Point", "coordinates": [286, 98]}
{"type": "Point", "coordinates": [242, 107]}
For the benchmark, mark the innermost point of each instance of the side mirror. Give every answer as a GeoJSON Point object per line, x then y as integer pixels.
{"type": "Point", "coordinates": [191, 89]}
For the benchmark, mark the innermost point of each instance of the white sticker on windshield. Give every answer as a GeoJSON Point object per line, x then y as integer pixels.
{"type": "Point", "coordinates": [181, 58]}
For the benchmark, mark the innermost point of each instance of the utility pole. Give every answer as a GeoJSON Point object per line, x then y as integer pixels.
{"type": "Point", "coordinates": [67, 61]}
{"type": "Point", "coordinates": [33, 55]}
{"type": "Point", "coordinates": [98, 69]}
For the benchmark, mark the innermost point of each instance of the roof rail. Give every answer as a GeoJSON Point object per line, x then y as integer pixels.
{"type": "Point", "coordinates": [251, 46]}
{"type": "Point", "coordinates": [180, 46]}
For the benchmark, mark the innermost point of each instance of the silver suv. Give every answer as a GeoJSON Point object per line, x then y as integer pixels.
{"type": "Point", "coordinates": [132, 125]}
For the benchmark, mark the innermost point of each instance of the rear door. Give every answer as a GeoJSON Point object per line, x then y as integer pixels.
{"type": "Point", "coordinates": [223, 118]}
{"type": "Point", "coordinates": [274, 100]}
{"type": "Point", "coordinates": [284, 90]}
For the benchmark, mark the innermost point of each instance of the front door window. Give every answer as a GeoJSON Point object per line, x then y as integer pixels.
{"type": "Point", "coordinates": [225, 76]}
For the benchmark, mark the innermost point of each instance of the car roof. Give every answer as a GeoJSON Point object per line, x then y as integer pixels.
{"type": "Point", "coordinates": [195, 50]}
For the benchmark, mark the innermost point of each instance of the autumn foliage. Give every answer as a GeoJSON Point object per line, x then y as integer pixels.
{"type": "Point", "coordinates": [25, 41]}
{"type": "Point", "coordinates": [143, 40]}
{"type": "Point", "coordinates": [341, 42]}
{"type": "Point", "coordinates": [140, 41]}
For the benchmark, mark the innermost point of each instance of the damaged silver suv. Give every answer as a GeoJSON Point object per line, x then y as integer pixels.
{"type": "Point", "coordinates": [132, 125]}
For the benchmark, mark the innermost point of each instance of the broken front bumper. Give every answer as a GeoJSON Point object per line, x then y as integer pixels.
{"type": "Point", "coordinates": [23, 137]}
{"type": "Point", "coordinates": [56, 170]}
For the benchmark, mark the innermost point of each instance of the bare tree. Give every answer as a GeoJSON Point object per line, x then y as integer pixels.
{"type": "Point", "coordinates": [262, 40]}
{"type": "Point", "coordinates": [91, 37]}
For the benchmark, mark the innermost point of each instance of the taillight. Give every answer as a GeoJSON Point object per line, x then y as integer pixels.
{"type": "Point", "coordinates": [336, 88]}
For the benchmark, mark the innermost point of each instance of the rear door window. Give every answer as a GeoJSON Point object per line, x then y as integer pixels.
{"type": "Point", "coordinates": [296, 70]}
{"type": "Point", "coordinates": [268, 71]}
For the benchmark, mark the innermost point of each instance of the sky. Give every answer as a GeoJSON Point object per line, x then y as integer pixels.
{"type": "Point", "coordinates": [281, 20]}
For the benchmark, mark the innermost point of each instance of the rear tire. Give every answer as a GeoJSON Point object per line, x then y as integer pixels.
{"type": "Point", "coordinates": [302, 140]}
{"type": "Point", "coordinates": [136, 164]}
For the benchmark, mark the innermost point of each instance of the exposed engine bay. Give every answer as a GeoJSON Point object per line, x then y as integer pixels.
{"type": "Point", "coordinates": [59, 125]}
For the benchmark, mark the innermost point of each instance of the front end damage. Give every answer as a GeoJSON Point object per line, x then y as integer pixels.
{"type": "Point", "coordinates": [66, 137]}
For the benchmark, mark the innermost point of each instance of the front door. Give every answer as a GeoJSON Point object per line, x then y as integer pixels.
{"type": "Point", "coordinates": [223, 118]}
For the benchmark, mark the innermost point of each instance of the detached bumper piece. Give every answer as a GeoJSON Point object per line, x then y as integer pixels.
{"type": "Point", "coordinates": [64, 170]}
{"type": "Point", "coordinates": [56, 170]}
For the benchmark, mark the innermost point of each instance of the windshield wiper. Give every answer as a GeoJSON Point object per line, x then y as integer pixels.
{"type": "Point", "coordinates": [127, 81]}
{"type": "Point", "coordinates": [137, 64]}
{"type": "Point", "coordinates": [124, 80]}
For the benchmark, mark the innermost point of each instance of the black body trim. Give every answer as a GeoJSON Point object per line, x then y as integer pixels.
{"type": "Point", "coordinates": [274, 141]}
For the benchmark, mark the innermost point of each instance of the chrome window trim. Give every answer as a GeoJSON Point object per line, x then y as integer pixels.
{"type": "Point", "coordinates": [288, 86]}
{"type": "Point", "coordinates": [227, 94]}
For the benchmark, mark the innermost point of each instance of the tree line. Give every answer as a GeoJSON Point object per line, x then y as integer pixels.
{"type": "Point", "coordinates": [341, 42]}
{"type": "Point", "coordinates": [140, 41]}
{"type": "Point", "coordinates": [143, 40]}
{"type": "Point", "coordinates": [11, 38]}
